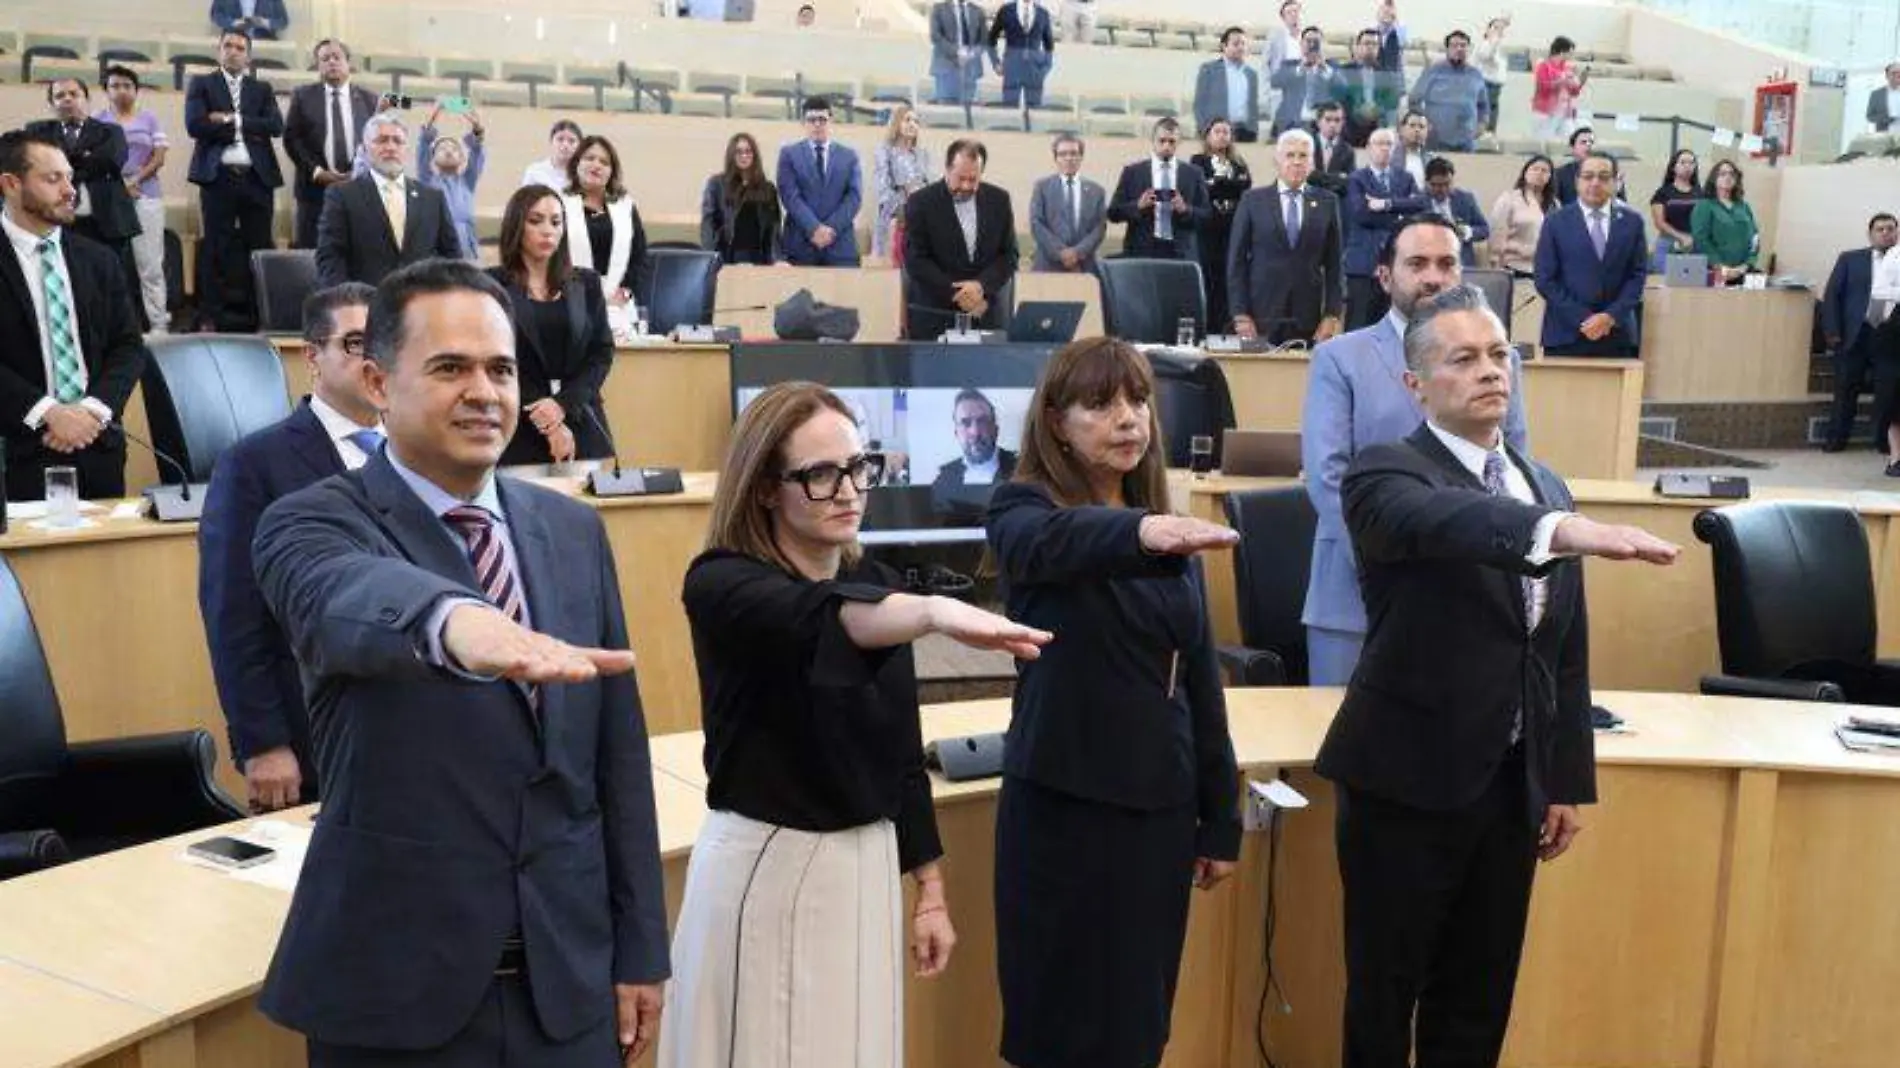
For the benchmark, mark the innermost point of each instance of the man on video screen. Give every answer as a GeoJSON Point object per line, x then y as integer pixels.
{"type": "Point", "coordinates": [962, 486]}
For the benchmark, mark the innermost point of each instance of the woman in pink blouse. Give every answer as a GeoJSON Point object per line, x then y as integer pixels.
{"type": "Point", "coordinates": [1554, 100]}
{"type": "Point", "coordinates": [1518, 217]}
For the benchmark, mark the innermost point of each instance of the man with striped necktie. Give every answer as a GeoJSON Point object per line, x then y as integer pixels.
{"type": "Point", "coordinates": [70, 350]}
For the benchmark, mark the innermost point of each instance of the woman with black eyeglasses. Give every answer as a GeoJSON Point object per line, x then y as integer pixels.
{"type": "Point", "coordinates": [789, 946]}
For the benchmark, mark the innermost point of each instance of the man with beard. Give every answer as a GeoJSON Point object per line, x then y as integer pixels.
{"type": "Point", "coordinates": [963, 485]}
{"type": "Point", "coordinates": [69, 340]}
{"type": "Point", "coordinates": [382, 221]}
{"type": "Point", "coordinates": [1356, 397]}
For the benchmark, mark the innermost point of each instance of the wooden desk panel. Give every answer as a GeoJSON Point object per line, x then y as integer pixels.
{"type": "Point", "coordinates": [876, 293]}
{"type": "Point", "coordinates": [52, 1021]}
{"type": "Point", "coordinates": [1726, 344]}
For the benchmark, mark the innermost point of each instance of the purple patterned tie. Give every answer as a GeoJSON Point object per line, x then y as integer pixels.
{"type": "Point", "coordinates": [492, 570]}
{"type": "Point", "coordinates": [1494, 485]}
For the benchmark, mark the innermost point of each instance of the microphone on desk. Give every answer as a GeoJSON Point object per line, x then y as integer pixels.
{"type": "Point", "coordinates": [638, 482]}
{"type": "Point", "coordinates": [171, 504]}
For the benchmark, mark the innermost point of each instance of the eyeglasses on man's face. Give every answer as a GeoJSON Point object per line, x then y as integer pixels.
{"type": "Point", "coordinates": [353, 342]}
{"type": "Point", "coordinates": [822, 481]}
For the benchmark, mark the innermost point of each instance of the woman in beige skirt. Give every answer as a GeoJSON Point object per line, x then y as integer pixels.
{"type": "Point", "coordinates": [789, 948]}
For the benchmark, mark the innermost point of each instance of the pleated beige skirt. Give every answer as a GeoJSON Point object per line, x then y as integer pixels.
{"type": "Point", "coordinates": [788, 950]}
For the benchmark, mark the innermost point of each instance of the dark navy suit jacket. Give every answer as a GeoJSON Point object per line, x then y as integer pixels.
{"type": "Point", "coordinates": [1367, 231]}
{"type": "Point", "coordinates": [251, 660]}
{"type": "Point", "coordinates": [455, 812]}
{"type": "Point", "coordinates": [810, 200]}
{"type": "Point", "coordinates": [209, 94]}
{"type": "Point", "coordinates": [1576, 284]}
{"type": "Point", "coordinates": [1850, 288]}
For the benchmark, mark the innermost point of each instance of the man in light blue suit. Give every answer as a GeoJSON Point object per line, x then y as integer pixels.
{"type": "Point", "coordinates": [818, 180]}
{"type": "Point", "coordinates": [1356, 397]}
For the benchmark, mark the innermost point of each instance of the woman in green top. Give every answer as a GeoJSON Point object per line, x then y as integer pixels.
{"type": "Point", "coordinates": [1723, 225]}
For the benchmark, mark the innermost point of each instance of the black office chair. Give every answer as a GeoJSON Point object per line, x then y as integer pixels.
{"type": "Point", "coordinates": [282, 278]}
{"type": "Point", "coordinates": [1794, 604]}
{"type": "Point", "coordinates": [1498, 290]}
{"type": "Point", "coordinates": [203, 392]}
{"type": "Point", "coordinates": [924, 321]}
{"type": "Point", "coordinates": [1144, 301]}
{"type": "Point", "coordinates": [1271, 566]}
{"type": "Point", "coordinates": [680, 284]}
{"type": "Point", "coordinates": [60, 801]}
{"type": "Point", "coordinates": [1192, 397]}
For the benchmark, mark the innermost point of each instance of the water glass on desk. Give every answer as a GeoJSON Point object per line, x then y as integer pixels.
{"type": "Point", "coordinates": [962, 324]}
{"type": "Point", "coordinates": [62, 497]}
{"type": "Point", "coordinates": [1201, 454]}
{"type": "Point", "coordinates": [1184, 331]}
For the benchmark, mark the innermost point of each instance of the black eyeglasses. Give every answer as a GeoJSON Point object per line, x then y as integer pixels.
{"type": "Point", "coordinates": [354, 342]}
{"type": "Point", "coordinates": [822, 481]}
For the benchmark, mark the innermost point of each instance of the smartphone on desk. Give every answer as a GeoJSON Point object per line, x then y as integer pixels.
{"type": "Point", "coordinates": [227, 852]}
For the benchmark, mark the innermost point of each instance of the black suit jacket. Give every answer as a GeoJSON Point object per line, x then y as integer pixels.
{"type": "Point", "coordinates": [1277, 283]}
{"type": "Point", "coordinates": [355, 243]}
{"type": "Point", "coordinates": [251, 661]}
{"type": "Point", "coordinates": [1332, 173]}
{"type": "Point", "coordinates": [208, 94]}
{"type": "Point", "coordinates": [949, 496]}
{"type": "Point", "coordinates": [579, 360]}
{"type": "Point", "coordinates": [1139, 239]}
{"type": "Point", "coordinates": [936, 257]}
{"type": "Point", "coordinates": [97, 156]}
{"type": "Point", "coordinates": [1448, 661]}
{"type": "Point", "coordinates": [1850, 287]}
{"type": "Point", "coordinates": [471, 814]}
{"type": "Point", "coordinates": [109, 341]}
{"type": "Point", "coordinates": [304, 125]}
{"type": "Point", "coordinates": [226, 14]}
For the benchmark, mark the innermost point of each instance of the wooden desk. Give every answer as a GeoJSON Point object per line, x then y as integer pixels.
{"type": "Point", "coordinates": [1725, 907]}
{"type": "Point", "coordinates": [876, 292]}
{"type": "Point", "coordinates": [1726, 344]}
{"type": "Point", "coordinates": [1582, 413]}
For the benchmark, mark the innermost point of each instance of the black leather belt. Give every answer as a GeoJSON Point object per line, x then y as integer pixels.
{"type": "Point", "coordinates": [514, 958]}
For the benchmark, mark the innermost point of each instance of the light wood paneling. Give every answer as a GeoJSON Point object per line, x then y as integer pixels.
{"type": "Point", "coordinates": [1726, 344]}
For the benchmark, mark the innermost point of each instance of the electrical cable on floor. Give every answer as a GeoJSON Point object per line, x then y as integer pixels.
{"type": "Point", "coordinates": [1271, 985]}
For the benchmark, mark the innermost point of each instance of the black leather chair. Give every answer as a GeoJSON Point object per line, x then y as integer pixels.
{"type": "Point", "coordinates": [1144, 301]}
{"type": "Point", "coordinates": [680, 284]}
{"type": "Point", "coordinates": [205, 391]}
{"type": "Point", "coordinates": [1193, 399]}
{"type": "Point", "coordinates": [59, 801]}
{"type": "Point", "coordinates": [1498, 290]}
{"type": "Point", "coordinates": [282, 278]}
{"type": "Point", "coordinates": [1794, 604]}
{"type": "Point", "coordinates": [1271, 566]}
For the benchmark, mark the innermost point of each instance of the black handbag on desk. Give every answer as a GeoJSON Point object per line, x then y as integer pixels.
{"type": "Point", "coordinates": [978, 756]}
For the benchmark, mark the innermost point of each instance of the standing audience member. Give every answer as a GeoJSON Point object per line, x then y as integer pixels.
{"type": "Point", "coordinates": [1282, 47]}
{"type": "Point", "coordinates": [1378, 198]}
{"type": "Point", "coordinates": [1458, 207]}
{"type": "Point", "coordinates": [823, 190]}
{"type": "Point", "coordinates": [1517, 218]}
{"type": "Point", "coordinates": [899, 167]}
{"type": "Point", "coordinates": [70, 352]}
{"type": "Point", "coordinates": [806, 18]}
{"type": "Point", "coordinates": [1068, 214]}
{"type": "Point", "coordinates": [1494, 65]}
{"type": "Point", "coordinates": [956, 50]}
{"type": "Point", "coordinates": [1075, 23]}
{"type": "Point", "coordinates": [1723, 225]}
{"type": "Point", "coordinates": [739, 215]}
{"type": "Point", "coordinates": [1883, 104]}
{"type": "Point", "coordinates": [1226, 88]}
{"type": "Point", "coordinates": [1409, 154]}
{"type": "Point", "coordinates": [1556, 84]}
{"type": "Point", "coordinates": [1850, 319]}
{"type": "Point", "coordinates": [792, 937]}
{"type": "Point", "coordinates": [146, 147]}
{"type": "Point", "coordinates": [261, 19]}
{"type": "Point", "coordinates": [1304, 84]}
{"type": "Point", "coordinates": [454, 167]}
{"type": "Point", "coordinates": [1164, 203]}
{"type": "Point", "coordinates": [1118, 770]}
{"type": "Point", "coordinates": [1883, 296]}
{"type": "Point", "coordinates": [1029, 47]}
{"type": "Point", "coordinates": [1227, 178]}
{"type": "Point", "coordinates": [606, 235]}
{"type": "Point", "coordinates": [564, 137]}
{"type": "Point", "coordinates": [322, 132]}
{"type": "Point", "coordinates": [1333, 159]}
{"type": "Point", "coordinates": [1583, 144]}
{"type": "Point", "coordinates": [1283, 268]}
{"type": "Point", "coordinates": [384, 220]}
{"type": "Point", "coordinates": [96, 151]}
{"type": "Point", "coordinates": [232, 117]}
{"type": "Point", "coordinates": [1591, 265]}
{"type": "Point", "coordinates": [1393, 38]}
{"type": "Point", "coordinates": [564, 346]}
{"type": "Point", "coordinates": [1672, 206]}
{"type": "Point", "coordinates": [1454, 98]}
{"type": "Point", "coordinates": [1371, 96]}
{"type": "Point", "coordinates": [337, 428]}
{"type": "Point", "coordinates": [962, 251]}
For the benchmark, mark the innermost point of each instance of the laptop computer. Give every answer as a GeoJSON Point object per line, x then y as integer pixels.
{"type": "Point", "coordinates": [1686, 271]}
{"type": "Point", "coordinates": [1260, 453]}
{"type": "Point", "coordinates": [1048, 322]}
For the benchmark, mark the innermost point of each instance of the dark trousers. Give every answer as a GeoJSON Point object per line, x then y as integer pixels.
{"type": "Point", "coordinates": [1615, 346]}
{"type": "Point", "coordinates": [503, 1033]}
{"type": "Point", "coordinates": [1435, 910]}
{"type": "Point", "coordinates": [309, 210]}
{"type": "Point", "coordinates": [1854, 371]}
{"type": "Point", "coordinates": [1366, 301]}
{"type": "Point", "coordinates": [237, 220]}
{"type": "Point", "coordinates": [101, 467]}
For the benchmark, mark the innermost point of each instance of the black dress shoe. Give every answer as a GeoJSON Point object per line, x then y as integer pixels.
{"type": "Point", "coordinates": [1833, 446]}
{"type": "Point", "coordinates": [1893, 469]}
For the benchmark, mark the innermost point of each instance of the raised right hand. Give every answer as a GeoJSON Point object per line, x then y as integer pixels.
{"type": "Point", "coordinates": [483, 641]}
{"type": "Point", "coordinates": [1582, 536]}
{"type": "Point", "coordinates": [972, 626]}
{"type": "Point", "coordinates": [1181, 535]}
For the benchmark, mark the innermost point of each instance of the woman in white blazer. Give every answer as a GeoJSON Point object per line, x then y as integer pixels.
{"type": "Point", "coordinates": [599, 210]}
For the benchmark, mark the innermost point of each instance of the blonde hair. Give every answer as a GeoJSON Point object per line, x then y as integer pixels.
{"type": "Point", "coordinates": [755, 462]}
{"type": "Point", "coordinates": [1092, 372]}
{"type": "Point", "coordinates": [895, 131]}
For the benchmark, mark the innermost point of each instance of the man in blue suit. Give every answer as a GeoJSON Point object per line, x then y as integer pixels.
{"type": "Point", "coordinates": [1458, 205]}
{"type": "Point", "coordinates": [1379, 196]}
{"type": "Point", "coordinates": [253, 18]}
{"type": "Point", "coordinates": [1356, 397]}
{"type": "Point", "coordinates": [1592, 260]}
{"type": "Point", "coordinates": [1029, 48]}
{"type": "Point", "coordinates": [1848, 320]}
{"type": "Point", "coordinates": [484, 884]}
{"type": "Point", "coordinates": [822, 190]}
{"type": "Point", "coordinates": [337, 429]}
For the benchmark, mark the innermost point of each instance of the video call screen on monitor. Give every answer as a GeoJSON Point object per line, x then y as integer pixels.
{"type": "Point", "coordinates": [948, 418]}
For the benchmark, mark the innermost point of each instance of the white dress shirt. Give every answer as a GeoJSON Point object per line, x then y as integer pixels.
{"type": "Point", "coordinates": [1519, 487]}
{"type": "Point", "coordinates": [982, 474]}
{"type": "Point", "coordinates": [1886, 279]}
{"type": "Point", "coordinates": [1072, 189]}
{"type": "Point", "coordinates": [966, 218]}
{"type": "Point", "coordinates": [544, 172]}
{"type": "Point", "coordinates": [26, 249]}
{"type": "Point", "coordinates": [238, 154]}
{"type": "Point", "coordinates": [331, 135]}
{"type": "Point", "coordinates": [339, 427]}
{"type": "Point", "coordinates": [1165, 174]}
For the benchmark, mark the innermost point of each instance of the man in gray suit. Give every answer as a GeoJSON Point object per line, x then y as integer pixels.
{"type": "Point", "coordinates": [1356, 397]}
{"type": "Point", "coordinates": [1883, 104]}
{"type": "Point", "coordinates": [1068, 214]}
{"type": "Point", "coordinates": [1227, 88]}
{"type": "Point", "coordinates": [484, 884]}
{"type": "Point", "coordinates": [956, 50]}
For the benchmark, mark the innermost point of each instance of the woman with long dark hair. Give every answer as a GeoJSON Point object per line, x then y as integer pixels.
{"type": "Point", "coordinates": [1517, 217]}
{"type": "Point", "coordinates": [1672, 205]}
{"type": "Point", "coordinates": [608, 237]}
{"type": "Point", "coordinates": [739, 214]}
{"type": "Point", "coordinates": [1227, 178]}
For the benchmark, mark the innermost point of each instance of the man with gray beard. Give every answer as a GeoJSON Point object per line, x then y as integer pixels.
{"type": "Point", "coordinates": [384, 220]}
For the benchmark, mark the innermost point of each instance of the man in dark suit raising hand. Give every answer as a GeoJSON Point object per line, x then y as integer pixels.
{"type": "Point", "coordinates": [1463, 747]}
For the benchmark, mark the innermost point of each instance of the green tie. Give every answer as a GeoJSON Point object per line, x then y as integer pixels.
{"type": "Point", "coordinates": [67, 388]}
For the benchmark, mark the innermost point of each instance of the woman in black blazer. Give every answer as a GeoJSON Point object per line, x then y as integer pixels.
{"type": "Point", "coordinates": [1227, 178]}
{"type": "Point", "coordinates": [1120, 788]}
{"type": "Point", "coordinates": [563, 345]}
{"type": "Point", "coordinates": [739, 215]}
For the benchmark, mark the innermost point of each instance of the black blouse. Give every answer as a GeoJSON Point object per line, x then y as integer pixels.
{"type": "Point", "coordinates": [1224, 191]}
{"type": "Point", "coordinates": [804, 729]}
{"type": "Point", "coordinates": [547, 320]}
{"type": "Point", "coordinates": [1677, 205]}
{"type": "Point", "coordinates": [600, 236]}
